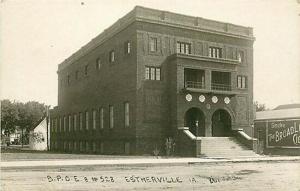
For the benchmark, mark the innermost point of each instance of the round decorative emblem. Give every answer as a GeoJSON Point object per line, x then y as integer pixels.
{"type": "Point", "coordinates": [227, 100]}
{"type": "Point", "coordinates": [188, 97]}
{"type": "Point", "coordinates": [214, 99]}
{"type": "Point", "coordinates": [202, 98]}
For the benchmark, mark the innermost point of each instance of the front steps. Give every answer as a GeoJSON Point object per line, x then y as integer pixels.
{"type": "Point", "coordinates": [224, 147]}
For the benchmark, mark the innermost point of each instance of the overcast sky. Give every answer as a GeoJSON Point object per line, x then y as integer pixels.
{"type": "Point", "coordinates": [38, 35]}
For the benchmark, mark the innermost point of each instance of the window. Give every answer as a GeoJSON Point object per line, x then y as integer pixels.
{"type": "Point", "coordinates": [127, 47]}
{"type": "Point", "coordinates": [75, 146]}
{"type": "Point", "coordinates": [77, 75]}
{"type": "Point", "coordinates": [80, 121]}
{"type": "Point", "coordinates": [157, 74]}
{"type": "Point", "coordinates": [60, 124]}
{"type": "Point", "coordinates": [98, 64]}
{"type": "Point", "coordinates": [112, 56]}
{"type": "Point", "coordinates": [94, 119]}
{"type": "Point", "coordinates": [86, 68]}
{"type": "Point", "coordinates": [81, 146]}
{"type": "Point", "coordinates": [147, 73]}
{"type": "Point", "coordinates": [183, 47]}
{"type": "Point", "coordinates": [94, 147]}
{"type": "Point", "coordinates": [240, 56]}
{"type": "Point", "coordinates": [65, 123]}
{"type": "Point", "coordinates": [87, 146]}
{"type": "Point", "coordinates": [70, 146]}
{"type": "Point", "coordinates": [70, 123]}
{"type": "Point", "coordinates": [153, 44]}
{"type": "Point", "coordinates": [52, 126]}
{"type": "Point", "coordinates": [56, 125]}
{"type": "Point", "coordinates": [152, 73]}
{"type": "Point", "coordinates": [101, 118]}
{"type": "Point", "coordinates": [68, 79]}
{"type": "Point", "coordinates": [215, 52]}
{"type": "Point", "coordinates": [75, 122]}
{"type": "Point", "coordinates": [111, 116]}
{"type": "Point", "coordinates": [126, 114]}
{"type": "Point", "coordinates": [242, 82]}
{"type": "Point", "coordinates": [86, 120]}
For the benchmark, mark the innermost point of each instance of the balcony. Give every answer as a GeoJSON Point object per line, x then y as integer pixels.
{"type": "Point", "coordinates": [221, 87]}
{"type": "Point", "coordinates": [192, 84]}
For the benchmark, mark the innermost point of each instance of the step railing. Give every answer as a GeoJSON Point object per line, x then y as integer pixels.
{"type": "Point", "coordinates": [188, 144]}
{"type": "Point", "coordinates": [250, 142]}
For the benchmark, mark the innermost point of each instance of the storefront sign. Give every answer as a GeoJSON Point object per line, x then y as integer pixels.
{"type": "Point", "coordinates": [283, 134]}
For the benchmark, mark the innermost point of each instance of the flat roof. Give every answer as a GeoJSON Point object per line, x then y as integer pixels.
{"type": "Point", "coordinates": [293, 113]}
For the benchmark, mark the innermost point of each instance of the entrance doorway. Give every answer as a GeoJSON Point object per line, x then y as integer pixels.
{"type": "Point", "coordinates": [221, 124]}
{"type": "Point", "coordinates": [195, 120]}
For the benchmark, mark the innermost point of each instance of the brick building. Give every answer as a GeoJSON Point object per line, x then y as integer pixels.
{"type": "Point", "coordinates": [149, 74]}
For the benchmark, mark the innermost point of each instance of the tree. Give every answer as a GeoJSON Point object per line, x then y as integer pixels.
{"type": "Point", "coordinates": [23, 115]}
{"type": "Point", "coordinates": [9, 116]}
{"type": "Point", "coordinates": [260, 107]}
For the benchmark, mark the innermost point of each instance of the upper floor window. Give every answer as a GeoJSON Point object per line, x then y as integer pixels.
{"type": "Point", "coordinates": [215, 52]}
{"type": "Point", "coordinates": [75, 122]}
{"type": "Point", "coordinates": [86, 68]}
{"type": "Point", "coordinates": [240, 56]}
{"type": "Point", "coordinates": [80, 121]}
{"type": "Point", "coordinates": [152, 73]}
{"type": "Point", "coordinates": [60, 124]}
{"type": "Point", "coordinates": [70, 123]}
{"type": "Point", "coordinates": [183, 47]}
{"type": "Point", "coordinates": [127, 47]}
{"type": "Point", "coordinates": [101, 118]}
{"type": "Point", "coordinates": [153, 44]}
{"type": "Point", "coordinates": [111, 116]}
{"type": "Point", "coordinates": [65, 123]}
{"type": "Point", "coordinates": [87, 120]}
{"type": "Point", "coordinates": [112, 56]}
{"type": "Point", "coordinates": [126, 114]}
{"type": "Point", "coordinates": [242, 82]}
{"type": "Point", "coordinates": [94, 119]}
{"type": "Point", "coordinates": [98, 63]}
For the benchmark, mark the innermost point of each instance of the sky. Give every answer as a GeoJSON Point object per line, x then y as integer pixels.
{"type": "Point", "coordinates": [37, 35]}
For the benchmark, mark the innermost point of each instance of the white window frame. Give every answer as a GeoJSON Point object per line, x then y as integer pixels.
{"type": "Point", "coordinates": [94, 119]}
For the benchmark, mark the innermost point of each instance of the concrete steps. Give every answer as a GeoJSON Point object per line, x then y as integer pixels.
{"type": "Point", "coordinates": [224, 147]}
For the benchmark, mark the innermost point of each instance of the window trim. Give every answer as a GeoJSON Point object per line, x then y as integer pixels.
{"type": "Point", "coordinates": [101, 115]}
{"type": "Point", "coordinates": [127, 47]}
{"type": "Point", "coordinates": [215, 52]}
{"type": "Point", "coordinates": [111, 116]}
{"type": "Point", "coordinates": [151, 73]}
{"type": "Point", "coordinates": [94, 116]}
{"type": "Point", "coordinates": [98, 63]}
{"type": "Point", "coordinates": [112, 56]}
{"type": "Point", "coordinates": [242, 82]}
{"type": "Point", "coordinates": [183, 47]}
{"type": "Point", "coordinates": [153, 44]}
{"type": "Point", "coordinates": [126, 114]}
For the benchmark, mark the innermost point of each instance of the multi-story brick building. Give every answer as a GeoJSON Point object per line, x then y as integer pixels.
{"type": "Point", "coordinates": [149, 74]}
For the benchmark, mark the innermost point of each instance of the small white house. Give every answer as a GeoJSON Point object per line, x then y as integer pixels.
{"type": "Point", "coordinates": [38, 136]}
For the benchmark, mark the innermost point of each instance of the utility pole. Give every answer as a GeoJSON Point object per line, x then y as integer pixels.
{"type": "Point", "coordinates": [47, 121]}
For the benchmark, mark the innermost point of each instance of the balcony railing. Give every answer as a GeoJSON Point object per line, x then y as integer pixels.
{"type": "Point", "coordinates": [193, 84]}
{"type": "Point", "coordinates": [221, 87]}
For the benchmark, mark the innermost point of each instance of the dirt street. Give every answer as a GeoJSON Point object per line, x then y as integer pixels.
{"type": "Point", "coordinates": [207, 176]}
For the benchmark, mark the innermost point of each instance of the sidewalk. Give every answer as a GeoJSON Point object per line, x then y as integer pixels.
{"type": "Point", "coordinates": [146, 161]}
